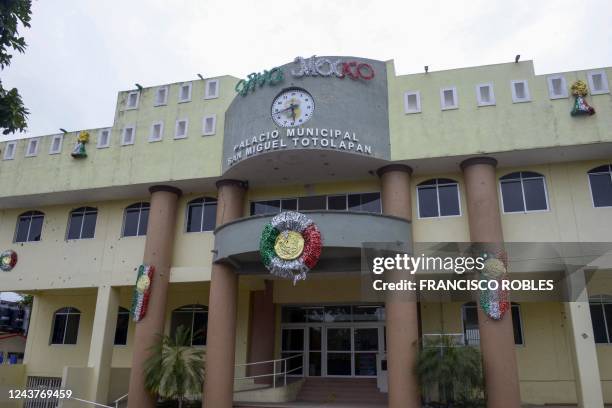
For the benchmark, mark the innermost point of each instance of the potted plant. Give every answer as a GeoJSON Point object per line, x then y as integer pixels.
{"type": "Point", "coordinates": [175, 370]}
{"type": "Point", "coordinates": [451, 373]}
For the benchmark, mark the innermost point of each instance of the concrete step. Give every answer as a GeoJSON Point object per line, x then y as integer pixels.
{"type": "Point", "coordinates": [341, 390]}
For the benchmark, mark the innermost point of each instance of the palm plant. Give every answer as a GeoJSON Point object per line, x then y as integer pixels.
{"type": "Point", "coordinates": [175, 370]}
{"type": "Point", "coordinates": [454, 370]}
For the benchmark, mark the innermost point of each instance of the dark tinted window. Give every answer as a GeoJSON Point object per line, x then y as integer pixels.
{"type": "Point", "coordinates": [82, 223]}
{"type": "Point", "coordinates": [193, 318]}
{"type": "Point", "coordinates": [517, 325]}
{"type": "Point", "coordinates": [438, 198]}
{"type": "Point", "coordinates": [123, 322]}
{"type": "Point", "coordinates": [336, 202]}
{"type": "Point", "coordinates": [523, 191]}
{"type": "Point", "coordinates": [600, 179]}
{"type": "Point", "coordinates": [265, 207]}
{"type": "Point", "coordinates": [65, 326]}
{"type": "Point", "coordinates": [135, 220]}
{"type": "Point", "coordinates": [29, 226]}
{"type": "Point", "coordinates": [201, 214]}
{"type": "Point", "coordinates": [599, 323]}
{"type": "Point", "coordinates": [366, 202]}
{"type": "Point", "coordinates": [312, 203]}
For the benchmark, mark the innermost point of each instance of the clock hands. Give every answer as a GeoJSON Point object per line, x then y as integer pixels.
{"type": "Point", "coordinates": [291, 108]}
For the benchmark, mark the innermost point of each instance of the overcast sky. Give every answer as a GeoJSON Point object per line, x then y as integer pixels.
{"type": "Point", "coordinates": [81, 53]}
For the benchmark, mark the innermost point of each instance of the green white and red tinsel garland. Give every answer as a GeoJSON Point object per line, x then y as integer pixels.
{"type": "Point", "coordinates": [297, 268]}
{"type": "Point", "coordinates": [8, 260]}
{"type": "Point", "coordinates": [142, 291]}
{"type": "Point", "coordinates": [494, 303]}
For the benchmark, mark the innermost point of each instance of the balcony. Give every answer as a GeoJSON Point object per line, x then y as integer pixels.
{"type": "Point", "coordinates": [343, 232]}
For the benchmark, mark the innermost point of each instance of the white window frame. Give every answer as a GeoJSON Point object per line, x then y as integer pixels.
{"type": "Point", "coordinates": [59, 148]}
{"type": "Point", "coordinates": [207, 94]}
{"type": "Point", "coordinates": [99, 143]}
{"type": "Point", "coordinates": [127, 101]}
{"type": "Point", "coordinates": [123, 132]}
{"type": "Point", "coordinates": [564, 93]}
{"type": "Point", "coordinates": [152, 137]}
{"type": "Point", "coordinates": [214, 125]}
{"type": "Point", "coordinates": [407, 109]}
{"type": "Point", "coordinates": [176, 128]}
{"type": "Point", "coordinates": [437, 185]}
{"type": "Point", "coordinates": [492, 101]}
{"type": "Point", "coordinates": [515, 98]}
{"type": "Point", "coordinates": [455, 98]}
{"type": "Point", "coordinates": [525, 210]}
{"type": "Point", "coordinates": [165, 101]}
{"type": "Point", "coordinates": [11, 156]}
{"type": "Point", "coordinates": [180, 92]}
{"type": "Point", "coordinates": [37, 146]}
{"type": "Point", "coordinates": [591, 187]}
{"type": "Point", "coordinates": [604, 81]}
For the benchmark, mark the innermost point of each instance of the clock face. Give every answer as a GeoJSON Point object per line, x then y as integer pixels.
{"type": "Point", "coordinates": [292, 107]}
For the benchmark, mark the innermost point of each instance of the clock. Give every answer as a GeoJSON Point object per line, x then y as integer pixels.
{"type": "Point", "coordinates": [292, 107]}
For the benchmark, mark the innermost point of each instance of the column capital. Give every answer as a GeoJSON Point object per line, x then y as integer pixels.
{"type": "Point", "coordinates": [232, 182]}
{"type": "Point", "coordinates": [478, 160]}
{"type": "Point", "coordinates": [394, 167]}
{"type": "Point", "coordinates": [169, 189]}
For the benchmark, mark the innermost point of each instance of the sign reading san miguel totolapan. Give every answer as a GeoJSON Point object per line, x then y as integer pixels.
{"type": "Point", "coordinates": [317, 138]}
{"type": "Point", "coordinates": [313, 66]}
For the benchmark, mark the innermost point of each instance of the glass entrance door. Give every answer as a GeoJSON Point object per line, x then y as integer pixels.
{"type": "Point", "coordinates": [352, 350]}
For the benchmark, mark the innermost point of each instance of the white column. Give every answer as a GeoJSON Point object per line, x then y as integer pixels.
{"type": "Point", "coordinates": [586, 367]}
{"type": "Point", "coordinates": [102, 340]}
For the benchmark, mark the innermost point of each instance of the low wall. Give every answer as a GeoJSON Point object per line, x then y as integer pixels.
{"type": "Point", "coordinates": [119, 383]}
{"type": "Point", "coordinates": [280, 394]}
{"type": "Point", "coordinates": [11, 377]}
{"type": "Point", "coordinates": [79, 380]}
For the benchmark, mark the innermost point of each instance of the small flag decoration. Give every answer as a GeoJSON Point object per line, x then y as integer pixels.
{"type": "Point", "coordinates": [142, 291]}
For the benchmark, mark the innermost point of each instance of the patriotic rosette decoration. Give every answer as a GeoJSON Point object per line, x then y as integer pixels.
{"type": "Point", "coordinates": [290, 245]}
{"type": "Point", "coordinates": [142, 291]}
{"type": "Point", "coordinates": [494, 302]}
{"type": "Point", "coordinates": [8, 260]}
{"type": "Point", "coordinates": [581, 107]}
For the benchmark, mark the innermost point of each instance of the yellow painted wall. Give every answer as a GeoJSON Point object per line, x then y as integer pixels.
{"type": "Point", "coordinates": [144, 162]}
{"type": "Point", "coordinates": [506, 126]}
{"type": "Point", "coordinates": [11, 377]}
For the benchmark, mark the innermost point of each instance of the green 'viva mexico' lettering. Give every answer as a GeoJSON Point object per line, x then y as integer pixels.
{"type": "Point", "coordinates": [272, 77]}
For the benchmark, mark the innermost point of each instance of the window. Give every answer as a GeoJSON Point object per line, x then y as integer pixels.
{"type": "Point", "coordinates": [273, 206]}
{"type": "Point", "coordinates": [209, 125]}
{"type": "Point", "coordinates": [448, 98]}
{"type": "Point", "coordinates": [9, 150]}
{"type": "Point", "coordinates": [557, 87]}
{"type": "Point", "coordinates": [82, 223]}
{"type": "Point", "coordinates": [520, 91]}
{"type": "Point", "coordinates": [128, 135]}
{"type": "Point", "coordinates": [185, 92]}
{"type": "Point", "coordinates": [29, 226]}
{"type": "Point", "coordinates": [412, 102]}
{"type": "Point", "coordinates": [212, 89]}
{"type": "Point", "coordinates": [201, 214]}
{"type": "Point", "coordinates": [600, 181]}
{"type": "Point", "coordinates": [601, 317]}
{"type": "Point", "coordinates": [103, 138]}
{"type": "Point", "coordinates": [32, 149]}
{"type": "Point", "coordinates": [181, 129]}
{"type": "Point", "coordinates": [121, 331]}
{"type": "Point", "coordinates": [194, 318]}
{"type": "Point", "coordinates": [485, 95]}
{"type": "Point", "coordinates": [523, 191]}
{"type": "Point", "coordinates": [132, 100]}
{"type": "Point", "coordinates": [56, 144]}
{"type": "Point", "coordinates": [598, 82]}
{"type": "Point", "coordinates": [135, 220]}
{"type": "Point", "coordinates": [157, 132]}
{"type": "Point", "coordinates": [438, 198]}
{"type": "Point", "coordinates": [65, 326]}
{"type": "Point", "coordinates": [471, 332]}
{"type": "Point", "coordinates": [365, 202]}
{"type": "Point", "coordinates": [161, 96]}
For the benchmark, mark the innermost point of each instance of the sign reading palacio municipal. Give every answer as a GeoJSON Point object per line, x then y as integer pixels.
{"type": "Point", "coordinates": [299, 137]}
{"type": "Point", "coordinates": [331, 103]}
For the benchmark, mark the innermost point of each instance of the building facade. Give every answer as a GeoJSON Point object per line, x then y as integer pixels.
{"type": "Point", "coordinates": [189, 174]}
